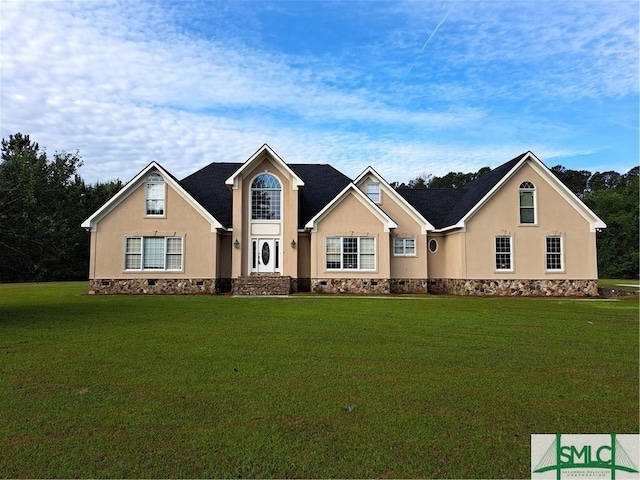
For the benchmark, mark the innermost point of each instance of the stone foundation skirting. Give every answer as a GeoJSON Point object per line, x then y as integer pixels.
{"type": "Point", "coordinates": [147, 286]}
{"type": "Point", "coordinates": [372, 286]}
{"type": "Point", "coordinates": [409, 285]}
{"type": "Point", "coordinates": [254, 285]}
{"type": "Point", "coordinates": [514, 288]}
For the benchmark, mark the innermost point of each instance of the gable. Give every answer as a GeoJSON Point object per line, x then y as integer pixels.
{"type": "Point", "coordinates": [449, 209]}
{"type": "Point", "coordinates": [134, 185]}
{"type": "Point", "coordinates": [549, 178]}
{"type": "Point", "coordinates": [388, 193]}
{"type": "Point", "coordinates": [264, 153]}
{"type": "Point", "coordinates": [350, 194]}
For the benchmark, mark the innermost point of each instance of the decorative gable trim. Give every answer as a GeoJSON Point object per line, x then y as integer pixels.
{"type": "Point", "coordinates": [92, 222]}
{"type": "Point", "coordinates": [234, 180]}
{"type": "Point", "coordinates": [425, 225]}
{"type": "Point", "coordinates": [366, 201]}
{"type": "Point", "coordinates": [540, 168]}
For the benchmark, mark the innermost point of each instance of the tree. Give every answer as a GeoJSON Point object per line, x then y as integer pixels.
{"type": "Point", "coordinates": [456, 179]}
{"type": "Point", "coordinates": [618, 255]}
{"type": "Point", "coordinates": [35, 223]}
{"type": "Point", "coordinates": [575, 180]}
{"type": "Point", "coordinates": [42, 203]}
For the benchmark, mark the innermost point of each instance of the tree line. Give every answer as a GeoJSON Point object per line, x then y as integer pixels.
{"type": "Point", "coordinates": [610, 195]}
{"type": "Point", "coordinates": [43, 201]}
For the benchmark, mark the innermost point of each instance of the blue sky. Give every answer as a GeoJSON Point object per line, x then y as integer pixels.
{"type": "Point", "coordinates": [410, 88]}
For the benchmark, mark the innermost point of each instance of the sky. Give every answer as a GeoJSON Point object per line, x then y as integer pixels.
{"type": "Point", "coordinates": [410, 88]}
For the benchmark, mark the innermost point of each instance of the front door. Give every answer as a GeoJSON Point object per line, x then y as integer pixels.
{"type": "Point", "coordinates": [266, 252]}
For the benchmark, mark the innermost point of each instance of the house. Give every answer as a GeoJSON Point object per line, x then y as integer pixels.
{"type": "Point", "coordinates": [268, 227]}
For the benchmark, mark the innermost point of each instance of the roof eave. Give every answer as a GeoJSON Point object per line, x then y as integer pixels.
{"type": "Point", "coordinates": [425, 225]}
{"type": "Point", "coordinates": [92, 222]}
{"type": "Point", "coordinates": [386, 219]}
{"type": "Point", "coordinates": [233, 180]}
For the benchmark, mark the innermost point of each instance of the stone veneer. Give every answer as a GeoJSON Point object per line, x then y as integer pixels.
{"type": "Point", "coordinates": [142, 286]}
{"type": "Point", "coordinates": [512, 288]}
{"type": "Point", "coordinates": [374, 286]}
{"type": "Point", "coordinates": [409, 285]}
{"type": "Point", "coordinates": [258, 284]}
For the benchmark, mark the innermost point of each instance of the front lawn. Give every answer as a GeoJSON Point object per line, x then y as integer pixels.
{"type": "Point", "coordinates": [326, 386]}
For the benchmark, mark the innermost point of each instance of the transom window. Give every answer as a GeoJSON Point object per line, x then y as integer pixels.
{"type": "Point", "coordinates": [372, 189]}
{"type": "Point", "coordinates": [155, 194]}
{"type": "Point", "coordinates": [265, 197]}
{"type": "Point", "coordinates": [504, 253]}
{"type": "Point", "coordinates": [404, 246]}
{"type": "Point", "coordinates": [527, 202]}
{"type": "Point", "coordinates": [554, 252]}
{"type": "Point", "coordinates": [153, 253]}
{"type": "Point", "coordinates": [350, 253]}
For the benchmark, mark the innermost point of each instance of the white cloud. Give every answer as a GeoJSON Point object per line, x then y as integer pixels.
{"type": "Point", "coordinates": [125, 84]}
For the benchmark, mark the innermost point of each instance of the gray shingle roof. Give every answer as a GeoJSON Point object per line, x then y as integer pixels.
{"type": "Point", "coordinates": [446, 207]}
{"type": "Point", "coordinates": [321, 184]}
{"type": "Point", "coordinates": [441, 207]}
{"type": "Point", "coordinates": [207, 187]}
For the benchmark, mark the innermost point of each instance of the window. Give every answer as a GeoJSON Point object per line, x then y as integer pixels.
{"type": "Point", "coordinates": [153, 253]}
{"type": "Point", "coordinates": [404, 246]}
{"type": "Point", "coordinates": [527, 203]}
{"type": "Point", "coordinates": [554, 253]}
{"type": "Point", "coordinates": [133, 254]}
{"type": "Point", "coordinates": [350, 253]}
{"type": "Point", "coordinates": [265, 198]}
{"type": "Point", "coordinates": [433, 245]}
{"type": "Point", "coordinates": [155, 194]}
{"type": "Point", "coordinates": [503, 253]}
{"type": "Point", "coordinates": [373, 191]}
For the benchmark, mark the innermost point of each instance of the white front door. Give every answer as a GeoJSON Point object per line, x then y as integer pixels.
{"type": "Point", "coordinates": [266, 252]}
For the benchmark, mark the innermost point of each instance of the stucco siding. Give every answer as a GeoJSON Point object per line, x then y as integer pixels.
{"type": "Point", "coordinates": [555, 217]}
{"type": "Point", "coordinates": [287, 227]}
{"type": "Point", "coordinates": [304, 256]}
{"type": "Point", "coordinates": [128, 219]}
{"type": "Point", "coordinates": [405, 267]}
{"type": "Point", "coordinates": [350, 218]}
{"type": "Point", "coordinates": [448, 260]}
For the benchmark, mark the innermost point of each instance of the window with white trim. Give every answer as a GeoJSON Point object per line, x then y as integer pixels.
{"type": "Point", "coordinates": [372, 189]}
{"type": "Point", "coordinates": [404, 247]}
{"type": "Point", "coordinates": [350, 253]}
{"type": "Point", "coordinates": [265, 197]}
{"type": "Point", "coordinates": [554, 253]}
{"type": "Point", "coordinates": [154, 194]}
{"type": "Point", "coordinates": [153, 253]}
{"type": "Point", "coordinates": [504, 253]}
{"type": "Point", "coordinates": [527, 202]}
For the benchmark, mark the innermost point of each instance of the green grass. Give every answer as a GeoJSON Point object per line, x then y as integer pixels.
{"type": "Point", "coordinates": [215, 386]}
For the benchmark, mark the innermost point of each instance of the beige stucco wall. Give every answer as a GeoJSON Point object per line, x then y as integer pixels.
{"type": "Point", "coordinates": [555, 216]}
{"type": "Point", "coordinates": [224, 256]}
{"type": "Point", "coordinates": [400, 266]}
{"type": "Point", "coordinates": [304, 255]}
{"type": "Point", "coordinates": [448, 260]}
{"type": "Point", "coordinates": [350, 218]}
{"type": "Point", "coordinates": [128, 219]}
{"type": "Point", "coordinates": [241, 216]}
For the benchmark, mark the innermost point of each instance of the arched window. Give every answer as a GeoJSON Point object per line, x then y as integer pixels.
{"type": "Point", "coordinates": [155, 194]}
{"type": "Point", "coordinates": [527, 202]}
{"type": "Point", "coordinates": [265, 197]}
